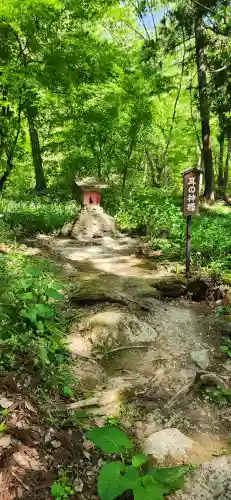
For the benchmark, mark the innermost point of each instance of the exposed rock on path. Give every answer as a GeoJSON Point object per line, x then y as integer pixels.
{"type": "Point", "coordinates": [211, 482]}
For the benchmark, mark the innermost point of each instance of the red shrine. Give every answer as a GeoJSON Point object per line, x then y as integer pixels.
{"type": "Point", "coordinates": [90, 191]}
{"type": "Point", "coordinates": [91, 198]}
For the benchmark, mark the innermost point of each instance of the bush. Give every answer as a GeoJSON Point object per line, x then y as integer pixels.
{"type": "Point", "coordinates": [33, 213]}
{"type": "Point", "coordinates": [159, 212]}
{"type": "Point", "coordinates": [31, 321]}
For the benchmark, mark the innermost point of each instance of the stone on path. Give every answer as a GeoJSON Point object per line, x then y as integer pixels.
{"type": "Point", "coordinates": [168, 443]}
{"type": "Point", "coordinates": [6, 403]}
{"type": "Point", "coordinates": [5, 441]}
{"type": "Point", "coordinates": [212, 481]}
{"type": "Point", "coordinates": [201, 358]}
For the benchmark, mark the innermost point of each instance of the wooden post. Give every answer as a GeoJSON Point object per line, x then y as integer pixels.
{"type": "Point", "coordinates": [188, 243]}
{"type": "Point", "coordinates": [191, 206]}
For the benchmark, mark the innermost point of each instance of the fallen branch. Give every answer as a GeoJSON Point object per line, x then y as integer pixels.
{"type": "Point", "coordinates": [104, 398]}
{"type": "Point", "coordinates": [201, 379]}
{"type": "Point", "coordinates": [21, 482]}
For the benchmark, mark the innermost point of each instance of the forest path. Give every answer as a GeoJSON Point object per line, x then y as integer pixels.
{"type": "Point", "coordinates": [134, 352]}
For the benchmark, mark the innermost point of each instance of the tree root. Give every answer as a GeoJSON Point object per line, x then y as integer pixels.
{"type": "Point", "coordinates": [201, 379]}
{"type": "Point", "coordinates": [122, 348]}
{"type": "Point", "coordinates": [111, 297]}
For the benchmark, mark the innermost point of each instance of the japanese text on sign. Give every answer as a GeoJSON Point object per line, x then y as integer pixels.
{"type": "Point", "coordinates": [191, 193]}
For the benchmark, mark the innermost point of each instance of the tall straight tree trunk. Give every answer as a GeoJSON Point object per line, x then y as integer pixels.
{"type": "Point", "coordinates": [35, 147]}
{"type": "Point", "coordinates": [221, 140]}
{"type": "Point", "coordinates": [204, 108]}
{"type": "Point", "coordinates": [227, 165]}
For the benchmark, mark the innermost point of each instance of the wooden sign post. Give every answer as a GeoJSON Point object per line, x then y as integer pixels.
{"type": "Point", "coordinates": [191, 179]}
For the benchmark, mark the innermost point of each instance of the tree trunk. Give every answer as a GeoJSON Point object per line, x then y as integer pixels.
{"type": "Point", "coordinates": [227, 164]}
{"type": "Point", "coordinates": [35, 147]}
{"type": "Point", "coordinates": [154, 182]}
{"type": "Point", "coordinates": [204, 109]}
{"type": "Point", "coordinates": [221, 140]}
{"type": "Point", "coordinates": [127, 164]}
{"type": "Point", "coordinates": [5, 176]}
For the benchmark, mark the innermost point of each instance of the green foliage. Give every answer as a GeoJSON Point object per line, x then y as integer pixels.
{"type": "Point", "coordinates": [139, 459]}
{"type": "Point", "coordinates": [32, 323]}
{"type": "Point", "coordinates": [67, 391]}
{"type": "Point", "coordinates": [157, 213]}
{"type": "Point", "coordinates": [37, 213]}
{"type": "Point", "coordinates": [61, 491]}
{"type": "Point", "coordinates": [226, 348]}
{"type": "Point", "coordinates": [118, 477]}
{"type": "Point", "coordinates": [110, 439]}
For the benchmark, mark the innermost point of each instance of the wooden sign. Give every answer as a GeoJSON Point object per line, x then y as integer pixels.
{"type": "Point", "coordinates": [191, 206]}
{"type": "Point", "coordinates": [191, 191]}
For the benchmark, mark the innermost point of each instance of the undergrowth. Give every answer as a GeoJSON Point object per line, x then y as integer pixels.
{"type": "Point", "coordinates": [157, 214]}
{"type": "Point", "coordinates": [32, 321]}
{"type": "Point", "coordinates": [132, 472]}
{"type": "Point", "coordinates": [31, 213]}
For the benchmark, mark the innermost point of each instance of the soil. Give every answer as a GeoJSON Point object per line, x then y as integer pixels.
{"type": "Point", "coordinates": [132, 351]}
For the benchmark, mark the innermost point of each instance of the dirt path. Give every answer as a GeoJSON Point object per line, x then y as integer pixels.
{"type": "Point", "coordinates": [136, 358]}
{"type": "Point", "coordinates": [136, 351]}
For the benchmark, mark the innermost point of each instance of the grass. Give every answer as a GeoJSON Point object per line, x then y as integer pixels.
{"type": "Point", "coordinates": [31, 213]}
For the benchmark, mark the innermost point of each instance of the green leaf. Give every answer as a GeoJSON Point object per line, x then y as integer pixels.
{"type": "Point", "coordinates": [44, 311]}
{"type": "Point", "coordinates": [132, 475]}
{"type": "Point", "coordinates": [40, 326]}
{"type": "Point", "coordinates": [30, 314]}
{"type": "Point", "coordinates": [33, 272]}
{"type": "Point", "coordinates": [25, 284]}
{"type": "Point", "coordinates": [110, 439]}
{"type": "Point", "coordinates": [111, 484]}
{"type": "Point", "coordinates": [224, 348]}
{"type": "Point", "coordinates": [2, 427]}
{"type": "Point", "coordinates": [148, 492]}
{"type": "Point", "coordinates": [139, 459]}
{"type": "Point", "coordinates": [57, 490]}
{"type": "Point", "coordinates": [26, 296]}
{"type": "Point", "coordinates": [171, 478]}
{"type": "Point", "coordinates": [68, 392]}
{"type": "Point", "coordinates": [220, 309]}
{"type": "Point", "coordinates": [58, 286]}
{"type": "Point", "coordinates": [54, 294]}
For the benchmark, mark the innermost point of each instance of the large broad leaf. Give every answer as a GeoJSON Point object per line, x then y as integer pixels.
{"type": "Point", "coordinates": [27, 296]}
{"type": "Point", "coordinates": [152, 491]}
{"type": "Point", "coordinates": [44, 311]}
{"type": "Point", "coordinates": [171, 478]}
{"type": "Point", "coordinates": [30, 314]}
{"type": "Point", "coordinates": [58, 286]}
{"type": "Point", "coordinates": [25, 284]}
{"type": "Point", "coordinates": [57, 491]}
{"type": "Point", "coordinates": [110, 439]}
{"type": "Point", "coordinates": [33, 271]}
{"type": "Point", "coordinates": [54, 294]}
{"type": "Point", "coordinates": [111, 484]}
{"type": "Point", "coordinates": [139, 459]}
{"type": "Point", "coordinates": [67, 391]}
